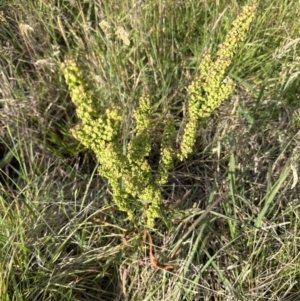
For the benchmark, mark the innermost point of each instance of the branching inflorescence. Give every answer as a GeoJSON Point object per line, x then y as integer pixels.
{"type": "Point", "coordinates": [129, 174]}
{"type": "Point", "coordinates": [211, 86]}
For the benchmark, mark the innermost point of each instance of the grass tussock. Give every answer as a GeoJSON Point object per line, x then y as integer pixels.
{"type": "Point", "coordinates": [231, 208]}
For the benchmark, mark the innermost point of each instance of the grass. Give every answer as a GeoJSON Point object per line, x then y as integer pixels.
{"type": "Point", "coordinates": [235, 235]}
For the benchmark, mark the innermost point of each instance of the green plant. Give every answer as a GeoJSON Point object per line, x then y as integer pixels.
{"type": "Point", "coordinates": [129, 173]}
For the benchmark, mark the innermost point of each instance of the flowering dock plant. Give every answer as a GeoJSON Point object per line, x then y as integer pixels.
{"type": "Point", "coordinates": [130, 177]}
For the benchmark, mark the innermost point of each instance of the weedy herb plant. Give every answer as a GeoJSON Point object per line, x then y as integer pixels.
{"type": "Point", "coordinates": [129, 174]}
{"type": "Point", "coordinates": [236, 235]}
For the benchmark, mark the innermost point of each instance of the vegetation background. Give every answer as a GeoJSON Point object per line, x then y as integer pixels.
{"type": "Point", "coordinates": [234, 232]}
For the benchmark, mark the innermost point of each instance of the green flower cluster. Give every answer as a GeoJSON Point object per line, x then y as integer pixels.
{"type": "Point", "coordinates": [129, 174]}
{"type": "Point", "coordinates": [101, 133]}
{"type": "Point", "coordinates": [211, 86]}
